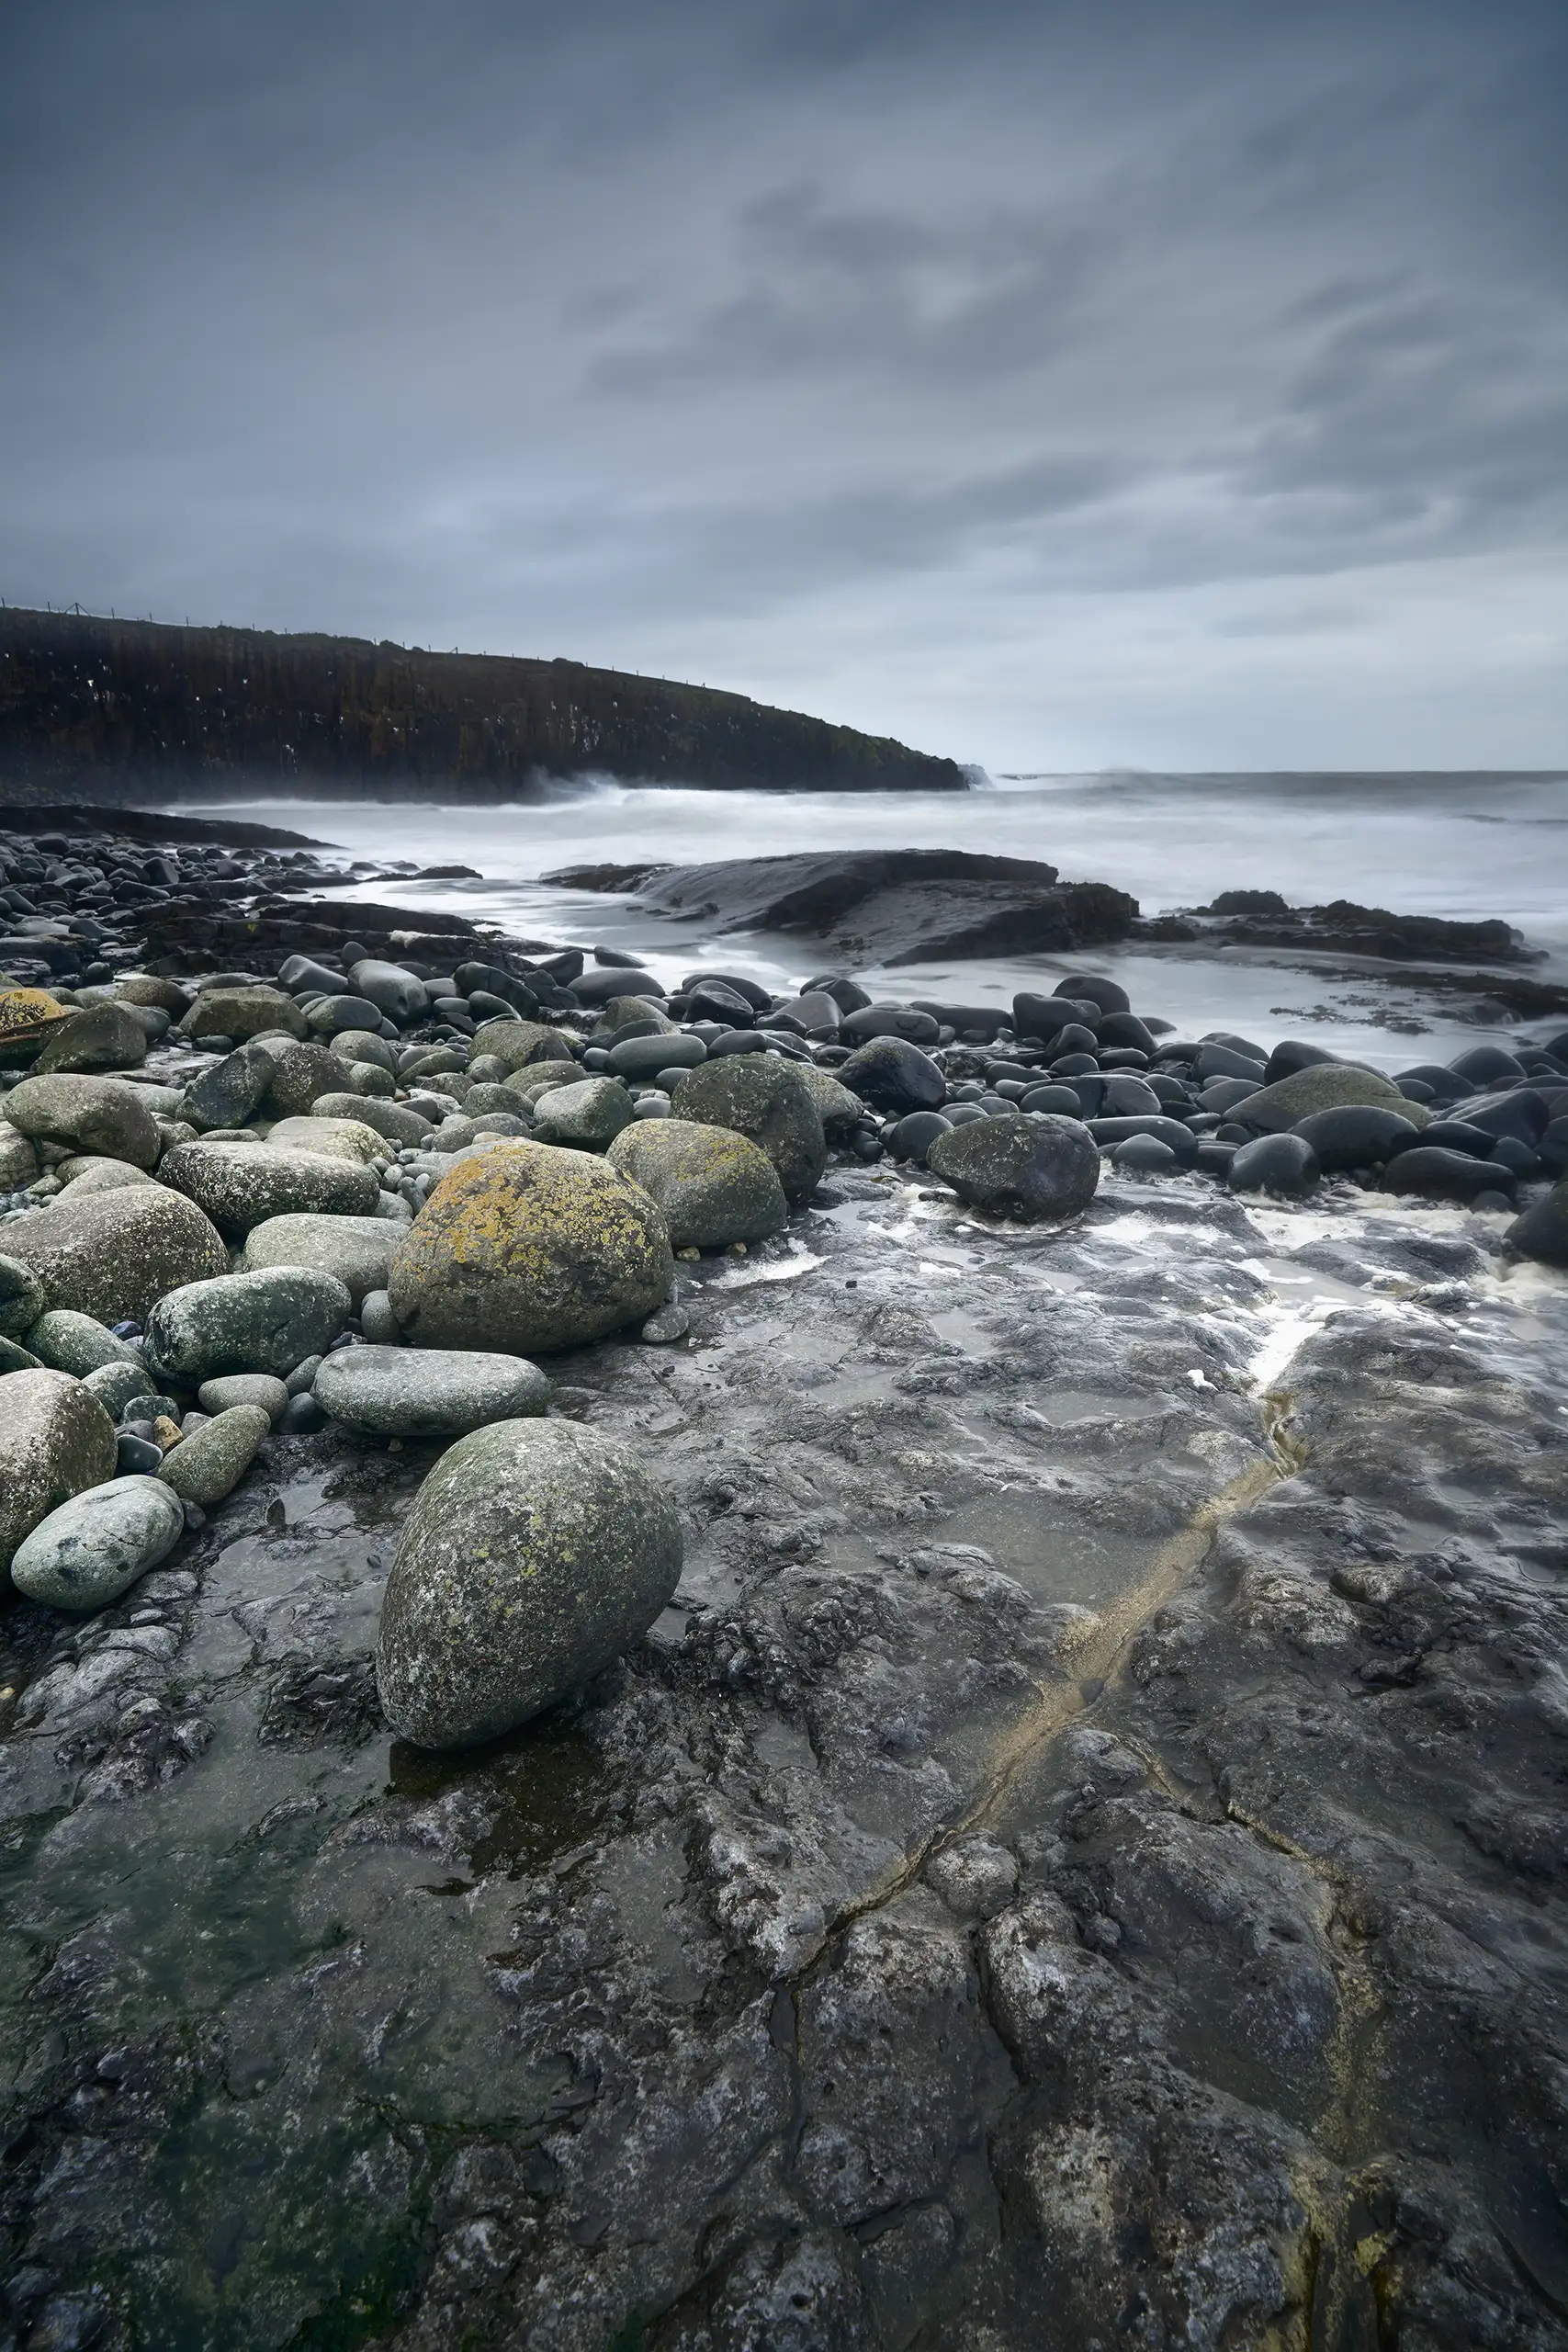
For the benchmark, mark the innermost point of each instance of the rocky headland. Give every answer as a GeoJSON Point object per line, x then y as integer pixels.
{"type": "Point", "coordinates": [112, 712]}
{"type": "Point", "coordinates": [710, 1670]}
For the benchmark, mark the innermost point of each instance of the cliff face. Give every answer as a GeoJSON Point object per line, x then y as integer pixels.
{"type": "Point", "coordinates": [102, 710]}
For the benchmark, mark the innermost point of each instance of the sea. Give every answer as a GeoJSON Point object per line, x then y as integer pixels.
{"type": "Point", "coordinates": [1459, 845]}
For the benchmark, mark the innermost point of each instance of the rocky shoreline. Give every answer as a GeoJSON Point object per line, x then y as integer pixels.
{"type": "Point", "coordinates": [1020, 1802]}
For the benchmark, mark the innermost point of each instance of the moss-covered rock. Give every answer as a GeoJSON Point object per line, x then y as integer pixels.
{"type": "Point", "coordinates": [528, 1248]}
{"type": "Point", "coordinates": [1323, 1086]}
{"type": "Point", "coordinates": [1024, 1166]}
{"type": "Point", "coordinates": [715, 1187]}
{"type": "Point", "coordinates": [515, 1044]}
{"type": "Point", "coordinates": [242, 1013]}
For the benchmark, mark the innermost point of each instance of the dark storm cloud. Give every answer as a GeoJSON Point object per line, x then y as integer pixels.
{"type": "Point", "coordinates": [1006, 375]}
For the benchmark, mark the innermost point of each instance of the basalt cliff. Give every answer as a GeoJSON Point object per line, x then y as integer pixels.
{"type": "Point", "coordinates": [103, 710]}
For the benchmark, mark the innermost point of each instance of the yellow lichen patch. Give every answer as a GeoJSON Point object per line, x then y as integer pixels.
{"type": "Point", "coordinates": [530, 1246]}
{"type": "Point", "coordinates": [25, 1016]}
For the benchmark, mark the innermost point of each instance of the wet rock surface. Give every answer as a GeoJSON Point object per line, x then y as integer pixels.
{"type": "Point", "coordinates": [1078, 1859]}
{"type": "Point", "coordinates": [1082, 1834]}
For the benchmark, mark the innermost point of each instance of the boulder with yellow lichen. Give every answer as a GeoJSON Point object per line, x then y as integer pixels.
{"type": "Point", "coordinates": [713, 1186]}
{"type": "Point", "coordinates": [526, 1249]}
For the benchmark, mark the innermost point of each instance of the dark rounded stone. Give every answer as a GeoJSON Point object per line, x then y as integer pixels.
{"type": "Point", "coordinates": [1125, 1029]}
{"type": "Point", "coordinates": [1441, 1175]}
{"type": "Point", "coordinates": [1542, 1232]}
{"type": "Point", "coordinates": [300, 1416]}
{"type": "Point", "coordinates": [1215, 1159]}
{"type": "Point", "coordinates": [1285, 1164]}
{"type": "Point", "coordinates": [1483, 1065]}
{"type": "Point", "coordinates": [1109, 995]}
{"type": "Point", "coordinates": [1053, 1097]}
{"type": "Point", "coordinates": [1152, 1126]}
{"type": "Point", "coordinates": [1291, 1056]}
{"type": "Point", "coordinates": [890, 1021]}
{"type": "Point", "coordinates": [1356, 1135]}
{"type": "Point", "coordinates": [1076, 1039]}
{"type": "Point", "coordinates": [598, 987]}
{"type": "Point", "coordinates": [137, 1457]}
{"type": "Point", "coordinates": [1020, 1165]}
{"type": "Point", "coordinates": [893, 1075]}
{"type": "Point", "coordinates": [1039, 1016]}
{"type": "Point", "coordinates": [1144, 1156]}
{"type": "Point", "coordinates": [915, 1134]}
{"type": "Point", "coordinates": [752, 994]}
{"type": "Point", "coordinates": [736, 1041]}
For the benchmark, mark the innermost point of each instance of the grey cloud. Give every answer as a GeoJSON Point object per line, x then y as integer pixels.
{"type": "Point", "coordinates": [613, 331]}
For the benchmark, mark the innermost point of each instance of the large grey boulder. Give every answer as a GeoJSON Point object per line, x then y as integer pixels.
{"type": "Point", "coordinates": [242, 1012]}
{"type": "Point", "coordinates": [94, 1547]}
{"type": "Point", "coordinates": [1024, 1165]}
{"type": "Point", "coordinates": [21, 1298]}
{"type": "Point", "coordinates": [586, 1116]}
{"type": "Point", "coordinates": [55, 1440]}
{"type": "Point", "coordinates": [232, 1092]}
{"type": "Point", "coordinates": [301, 1070]}
{"type": "Point", "coordinates": [515, 1044]}
{"type": "Point", "coordinates": [111, 1254]}
{"type": "Point", "coordinates": [394, 1122]}
{"type": "Point", "coordinates": [1542, 1232]}
{"type": "Point", "coordinates": [267, 1321]}
{"type": "Point", "coordinates": [400, 995]}
{"type": "Point", "coordinates": [524, 1248]}
{"type": "Point", "coordinates": [768, 1099]}
{"type": "Point", "coordinates": [100, 1037]}
{"type": "Point", "coordinates": [715, 1187]}
{"type": "Point", "coordinates": [98, 1114]}
{"type": "Point", "coordinates": [536, 1552]}
{"type": "Point", "coordinates": [358, 1250]}
{"type": "Point", "coordinates": [241, 1184]}
{"type": "Point", "coordinates": [209, 1464]}
{"type": "Point", "coordinates": [333, 1138]}
{"type": "Point", "coordinates": [69, 1341]}
{"type": "Point", "coordinates": [427, 1392]}
{"type": "Point", "coordinates": [1323, 1087]}
{"type": "Point", "coordinates": [18, 1158]}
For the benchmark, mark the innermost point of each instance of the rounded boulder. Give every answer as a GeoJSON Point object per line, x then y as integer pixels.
{"type": "Point", "coordinates": [713, 1186]}
{"type": "Point", "coordinates": [537, 1552]}
{"type": "Point", "coordinates": [768, 1099]}
{"type": "Point", "coordinates": [112, 1254]}
{"type": "Point", "coordinates": [55, 1441]}
{"type": "Point", "coordinates": [241, 1184]}
{"type": "Point", "coordinates": [95, 1114]}
{"type": "Point", "coordinates": [267, 1321]}
{"type": "Point", "coordinates": [893, 1075]}
{"type": "Point", "coordinates": [94, 1547]}
{"type": "Point", "coordinates": [1017, 1165]}
{"type": "Point", "coordinates": [358, 1250]}
{"type": "Point", "coordinates": [587, 1115]}
{"type": "Point", "coordinates": [427, 1392]}
{"type": "Point", "coordinates": [526, 1247]}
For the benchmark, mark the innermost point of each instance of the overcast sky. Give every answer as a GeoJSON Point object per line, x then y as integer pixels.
{"type": "Point", "coordinates": [1180, 385]}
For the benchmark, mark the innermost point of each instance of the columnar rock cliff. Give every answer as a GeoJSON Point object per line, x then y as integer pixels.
{"type": "Point", "coordinates": [101, 709]}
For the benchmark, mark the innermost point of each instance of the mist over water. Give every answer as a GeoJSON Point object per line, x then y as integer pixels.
{"type": "Point", "coordinates": [1462, 846]}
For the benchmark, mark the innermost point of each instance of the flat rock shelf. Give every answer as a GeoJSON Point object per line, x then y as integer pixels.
{"type": "Point", "coordinates": [1086, 1837]}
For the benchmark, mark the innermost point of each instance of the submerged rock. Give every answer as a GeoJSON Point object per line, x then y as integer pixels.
{"type": "Point", "coordinates": [528, 1248]}
{"type": "Point", "coordinates": [93, 1548]}
{"type": "Point", "coordinates": [1031, 1166]}
{"type": "Point", "coordinates": [55, 1440]}
{"type": "Point", "coordinates": [715, 1187]}
{"type": "Point", "coordinates": [427, 1392]}
{"type": "Point", "coordinates": [536, 1552]}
